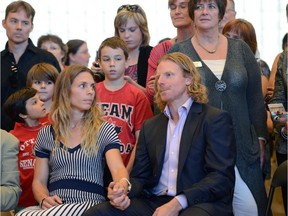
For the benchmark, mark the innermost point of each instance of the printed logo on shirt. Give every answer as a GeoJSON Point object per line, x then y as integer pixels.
{"type": "Point", "coordinates": [27, 164]}
{"type": "Point", "coordinates": [120, 111]}
{"type": "Point", "coordinates": [125, 149]}
{"type": "Point", "coordinates": [26, 149]}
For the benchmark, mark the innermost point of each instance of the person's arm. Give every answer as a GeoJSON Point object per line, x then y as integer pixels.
{"type": "Point", "coordinates": [255, 100]}
{"type": "Point", "coordinates": [219, 157]}
{"type": "Point", "coordinates": [280, 91]}
{"type": "Point", "coordinates": [132, 157]}
{"type": "Point", "coordinates": [118, 189]}
{"type": "Point", "coordinates": [10, 182]}
{"type": "Point", "coordinates": [271, 82]}
{"type": "Point", "coordinates": [131, 81]}
{"type": "Point", "coordinates": [39, 185]}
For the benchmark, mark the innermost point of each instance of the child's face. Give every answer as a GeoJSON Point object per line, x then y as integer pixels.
{"type": "Point", "coordinates": [113, 63]}
{"type": "Point", "coordinates": [35, 108]}
{"type": "Point", "coordinates": [131, 34]}
{"type": "Point", "coordinates": [45, 89]}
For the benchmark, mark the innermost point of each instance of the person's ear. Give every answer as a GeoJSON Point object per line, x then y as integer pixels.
{"type": "Point", "coordinates": [4, 23]}
{"type": "Point", "coordinates": [188, 80]}
{"type": "Point", "coordinates": [32, 27]}
{"type": "Point", "coordinates": [22, 116]}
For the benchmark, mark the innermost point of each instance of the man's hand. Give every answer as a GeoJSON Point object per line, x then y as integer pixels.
{"type": "Point", "coordinates": [117, 195]}
{"type": "Point", "coordinates": [171, 208]}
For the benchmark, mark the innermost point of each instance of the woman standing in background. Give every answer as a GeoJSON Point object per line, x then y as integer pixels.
{"type": "Point", "coordinates": [181, 20]}
{"type": "Point", "coordinates": [132, 27]}
{"type": "Point", "coordinates": [229, 70]}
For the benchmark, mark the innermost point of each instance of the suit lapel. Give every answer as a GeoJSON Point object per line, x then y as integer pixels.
{"type": "Point", "coordinates": [188, 132]}
{"type": "Point", "coordinates": [161, 140]}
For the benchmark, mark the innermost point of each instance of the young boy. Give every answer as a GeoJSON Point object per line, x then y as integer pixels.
{"type": "Point", "coordinates": [42, 77]}
{"type": "Point", "coordinates": [25, 108]}
{"type": "Point", "coordinates": [124, 105]}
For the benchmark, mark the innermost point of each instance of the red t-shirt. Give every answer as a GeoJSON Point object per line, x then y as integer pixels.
{"type": "Point", "coordinates": [126, 108]}
{"type": "Point", "coordinates": [26, 160]}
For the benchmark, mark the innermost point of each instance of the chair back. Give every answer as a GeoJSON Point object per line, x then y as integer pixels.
{"type": "Point", "coordinates": [279, 179]}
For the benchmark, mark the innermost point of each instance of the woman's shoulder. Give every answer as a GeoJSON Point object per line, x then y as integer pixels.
{"type": "Point", "coordinates": [161, 48]}
{"type": "Point", "coordinates": [183, 46]}
{"type": "Point", "coordinates": [106, 126]}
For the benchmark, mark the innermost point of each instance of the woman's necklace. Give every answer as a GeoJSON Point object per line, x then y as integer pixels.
{"type": "Point", "coordinates": [209, 51]}
{"type": "Point", "coordinates": [77, 125]}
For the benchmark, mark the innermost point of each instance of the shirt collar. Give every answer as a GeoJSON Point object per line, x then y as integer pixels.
{"type": "Point", "coordinates": [30, 47]}
{"type": "Point", "coordinates": [184, 107]}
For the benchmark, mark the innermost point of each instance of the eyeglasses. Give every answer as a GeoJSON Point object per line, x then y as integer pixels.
{"type": "Point", "coordinates": [14, 75]}
{"type": "Point", "coordinates": [231, 35]}
{"type": "Point", "coordinates": [132, 8]}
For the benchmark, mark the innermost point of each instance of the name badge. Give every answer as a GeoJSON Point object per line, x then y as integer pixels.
{"type": "Point", "coordinates": [198, 63]}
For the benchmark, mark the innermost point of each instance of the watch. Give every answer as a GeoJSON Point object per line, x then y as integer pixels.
{"type": "Point", "coordinates": [129, 184]}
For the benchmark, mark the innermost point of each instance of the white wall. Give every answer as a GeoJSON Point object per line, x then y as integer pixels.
{"type": "Point", "coordinates": [72, 19]}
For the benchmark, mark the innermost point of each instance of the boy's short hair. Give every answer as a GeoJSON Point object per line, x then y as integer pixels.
{"type": "Point", "coordinates": [42, 71]}
{"type": "Point", "coordinates": [114, 43]}
{"type": "Point", "coordinates": [17, 5]}
{"type": "Point", "coordinates": [16, 103]}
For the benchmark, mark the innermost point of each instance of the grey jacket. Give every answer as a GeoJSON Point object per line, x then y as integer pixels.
{"type": "Point", "coordinates": [240, 93]}
{"type": "Point", "coordinates": [10, 182]}
{"type": "Point", "coordinates": [280, 96]}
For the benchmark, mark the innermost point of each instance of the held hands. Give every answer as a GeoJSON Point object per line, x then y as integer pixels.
{"type": "Point", "coordinates": [171, 208]}
{"type": "Point", "coordinates": [50, 201]}
{"type": "Point", "coordinates": [117, 194]}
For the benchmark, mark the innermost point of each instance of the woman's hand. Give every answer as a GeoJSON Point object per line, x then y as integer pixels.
{"type": "Point", "coordinates": [117, 195]}
{"type": "Point", "coordinates": [50, 201]}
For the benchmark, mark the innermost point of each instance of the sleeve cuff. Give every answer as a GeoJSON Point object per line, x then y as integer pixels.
{"type": "Point", "coordinates": [262, 138]}
{"type": "Point", "coordinates": [182, 200]}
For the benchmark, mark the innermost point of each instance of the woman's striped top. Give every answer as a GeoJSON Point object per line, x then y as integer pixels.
{"type": "Point", "coordinates": [74, 176]}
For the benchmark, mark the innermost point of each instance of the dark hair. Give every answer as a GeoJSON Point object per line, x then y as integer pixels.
{"type": "Point", "coordinates": [73, 47]}
{"type": "Point", "coordinates": [54, 39]}
{"type": "Point", "coordinates": [244, 30]}
{"type": "Point", "coordinates": [17, 5]}
{"type": "Point", "coordinates": [114, 43]}
{"type": "Point", "coordinates": [284, 41]}
{"type": "Point", "coordinates": [221, 4]}
{"type": "Point", "coordinates": [42, 71]}
{"type": "Point", "coordinates": [16, 103]}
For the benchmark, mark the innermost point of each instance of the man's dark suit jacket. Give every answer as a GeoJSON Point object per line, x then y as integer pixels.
{"type": "Point", "coordinates": [206, 157]}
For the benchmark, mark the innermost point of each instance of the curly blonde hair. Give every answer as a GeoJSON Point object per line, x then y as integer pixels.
{"type": "Point", "coordinates": [61, 110]}
{"type": "Point", "coordinates": [195, 90]}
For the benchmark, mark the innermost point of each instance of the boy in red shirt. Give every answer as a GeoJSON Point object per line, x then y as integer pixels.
{"type": "Point", "coordinates": [25, 108]}
{"type": "Point", "coordinates": [124, 105]}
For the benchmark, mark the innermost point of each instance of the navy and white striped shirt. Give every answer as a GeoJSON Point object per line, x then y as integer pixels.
{"type": "Point", "coordinates": [74, 176]}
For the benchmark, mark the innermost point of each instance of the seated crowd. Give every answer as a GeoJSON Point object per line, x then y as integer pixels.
{"type": "Point", "coordinates": [176, 129]}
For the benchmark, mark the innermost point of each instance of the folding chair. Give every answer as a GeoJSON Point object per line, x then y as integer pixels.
{"type": "Point", "coordinates": [279, 179]}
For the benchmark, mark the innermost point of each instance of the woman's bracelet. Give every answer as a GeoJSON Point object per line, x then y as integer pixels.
{"type": "Point", "coordinates": [42, 202]}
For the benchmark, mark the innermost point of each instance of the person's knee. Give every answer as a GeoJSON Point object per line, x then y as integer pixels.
{"type": "Point", "coordinates": [101, 209]}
